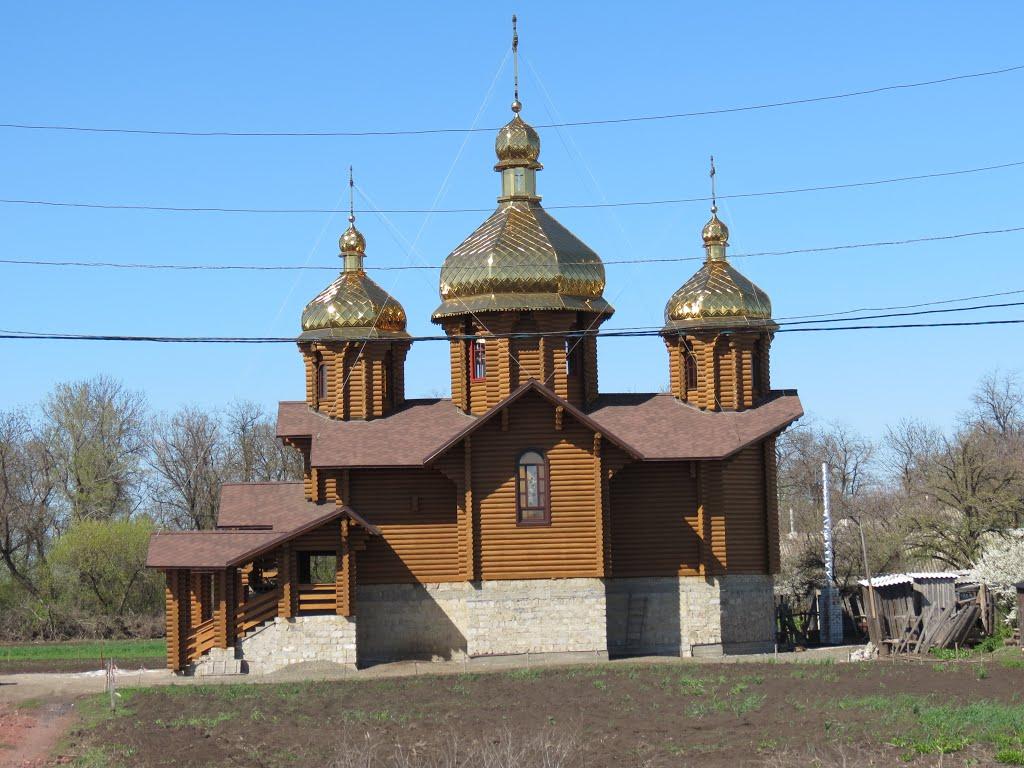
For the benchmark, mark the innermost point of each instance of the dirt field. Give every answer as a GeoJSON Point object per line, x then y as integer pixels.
{"type": "Point", "coordinates": [711, 715]}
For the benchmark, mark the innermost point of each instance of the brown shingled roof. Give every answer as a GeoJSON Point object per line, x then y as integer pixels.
{"type": "Point", "coordinates": [530, 386]}
{"type": "Point", "coordinates": [660, 427]}
{"type": "Point", "coordinates": [281, 506]}
{"type": "Point", "coordinates": [399, 440]}
{"type": "Point", "coordinates": [279, 509]}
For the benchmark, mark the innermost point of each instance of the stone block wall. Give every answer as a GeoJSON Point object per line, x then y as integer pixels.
{"type": "Point", "coordinates": [324, 638]}
{"type": "Point", "coordinates": [487, 618]}
{"type": "Point", "coordinates": [691, 615]}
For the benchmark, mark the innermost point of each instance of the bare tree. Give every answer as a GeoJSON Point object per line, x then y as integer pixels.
{"type": "Point", "coordinates": [999, 404]}
{"type": "Point", "coordinates": [254, 453]}
{"type": "Point", "coordinates": [186, 458]}
{"type": "Point", "coordinates": [26, 489]}
{"type": "Point", "coordinates": [95, 430]}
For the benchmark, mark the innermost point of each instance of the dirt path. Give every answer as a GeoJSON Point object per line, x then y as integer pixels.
{"type": "Point", "coordinates": [28, 735]}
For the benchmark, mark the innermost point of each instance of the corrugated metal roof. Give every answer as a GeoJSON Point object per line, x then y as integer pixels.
{"type": "Point", "coordinates": [891, 579]}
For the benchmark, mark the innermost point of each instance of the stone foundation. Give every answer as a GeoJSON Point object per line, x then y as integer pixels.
{"type": "Point", "coordinates": [691, 615]}
{"type": "Point", "coordinates": [486, 618]}
{"type": "Point", "coordinates": [325, 638]}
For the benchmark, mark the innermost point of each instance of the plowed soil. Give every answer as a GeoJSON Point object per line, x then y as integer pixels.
{"type": "Point", "coordinates": [711, 715]}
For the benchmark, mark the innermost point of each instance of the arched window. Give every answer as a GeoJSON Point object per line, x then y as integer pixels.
{"type": "Point", "coordinates": [690, 368]}
{"type": "Point", "coordinates": [477, 360]}
{"type": "Point", "coordinates": [532, 490]}
{"type": "Point", "coordinates": [321, 382]}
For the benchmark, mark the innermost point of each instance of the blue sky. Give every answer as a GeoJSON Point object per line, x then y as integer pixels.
{"type": "Point", "coordinates": [344, 66]}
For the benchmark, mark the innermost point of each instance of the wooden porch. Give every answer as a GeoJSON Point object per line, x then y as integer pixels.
{"type": "Point", "coordinates": [208, 608]}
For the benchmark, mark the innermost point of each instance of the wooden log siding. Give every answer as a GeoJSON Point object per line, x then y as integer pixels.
{"type": "Point", "coordinates": [654, 521]}
{"type": "Point", "coordinates": [742, 544]}
{"type": "Point", "coordinates": [418, 544]}
{"type": "Point", "coordinates": [176, 610]}
{"type": "Point", "coordinates": [567, 547]}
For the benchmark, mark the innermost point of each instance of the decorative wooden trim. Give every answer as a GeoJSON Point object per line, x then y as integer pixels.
{"type": "Point", "coordinates": [703, 524]}
{"type": "Point", "coordinates": [602, 532]}
{"type": "Point", "coordinates": [471, 533]}
{"type": "Point", "coordinates": [559, 414]}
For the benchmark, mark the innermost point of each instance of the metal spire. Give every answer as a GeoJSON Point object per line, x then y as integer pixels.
{"type": "Point", "coordinates": [714, 201]}
{"type": "Point", "coordinates": [351, 198]}
{"type": "Point", "coordinates": [516, 105]}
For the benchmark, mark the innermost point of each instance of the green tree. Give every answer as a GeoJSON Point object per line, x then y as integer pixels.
{"type": "Point", "coordinates": [95, 432]}
{"type": "Point", "coordinates": [98, 569]}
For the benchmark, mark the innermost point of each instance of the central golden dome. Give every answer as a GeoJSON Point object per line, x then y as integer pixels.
{"type": "Point", "coordinates": [521, 258]}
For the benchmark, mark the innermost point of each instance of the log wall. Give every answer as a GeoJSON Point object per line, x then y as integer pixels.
{"type": "Point", "coordinates": [417, 513]}
{"type": "Point", "coordinates": [654, 520]}
{"type": "Point", "coordinates": [571, 545]}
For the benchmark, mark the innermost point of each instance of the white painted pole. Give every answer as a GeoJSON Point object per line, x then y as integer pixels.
{"type": "Point", "coordinates": [792, 527]}
{"type": "Point", "coordinates": [830, 563]}
{"type": "Point", "coordinates": [831, 612]}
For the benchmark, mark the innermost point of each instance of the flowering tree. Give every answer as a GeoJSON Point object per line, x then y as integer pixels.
{"type": "Point", "coordinates": [1001, 567]}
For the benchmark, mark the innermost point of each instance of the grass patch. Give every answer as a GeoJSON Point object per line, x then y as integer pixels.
{"type": "Point", "coordinates": [85, 649]}
{"type": "Point", "coordinates": [931, 728]}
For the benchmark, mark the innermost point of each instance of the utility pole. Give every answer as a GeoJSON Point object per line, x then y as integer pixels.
{"type": "Point", "coordinates": [830, 608]}
{"type": "Point", "coordinates": [792, 527]}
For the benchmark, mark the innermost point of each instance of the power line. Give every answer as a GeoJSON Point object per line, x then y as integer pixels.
{"type": "Point", "coordinates": [568, 124]}
{"type": "Point", "coordinates": [563, 206]}
{"type": "Point", "coordinates": [37, 336]}
{"type": "Point", "coordinates": [406, 267]}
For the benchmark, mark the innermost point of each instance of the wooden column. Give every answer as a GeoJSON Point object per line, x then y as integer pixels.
{"type": "Point", "coordinates": [176, 617]}
{"type": "Point", "coordinates": [470, 524]}
{"type": "Point", "coordinates": [195, 599]}
{"type": "Point", "coordinates": [286, 579]}
{"type": "Point", "coordinates": [703, 544]}
{"type": "Point", "coordinates": [602, 530]}
{"type": "Point", "coordinates": [771, 493]}
{"type": "Point", "coordinates": [223, 609]}
{"type": "Point", "coordinates": [344, 578]}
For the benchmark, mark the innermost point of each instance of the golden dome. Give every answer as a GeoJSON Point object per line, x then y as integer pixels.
{"type": "Point", "coordinates": [353, 306]}
{"type": "Point", "coordinates": [521, 258]}
{"type": "Point", "coordinates": [352, 240]}
{"type": "Point", "coordinates": [517, 144]}
{"type": "Point", "coordinates": [715, 232]}
{"type": "Point", "coordinates": [718, 296]}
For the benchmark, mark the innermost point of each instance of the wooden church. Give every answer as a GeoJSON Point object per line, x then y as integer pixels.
{"type": "Point", "coordinates": [528, 513]}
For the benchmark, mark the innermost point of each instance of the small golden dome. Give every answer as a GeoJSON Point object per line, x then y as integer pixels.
{"type": "Point", "coordinates": [715, 232]}
{"type": "Point", "coordinates": [517, 144]}
{"type": "Point", "coordinates": [352, 240]}
{"type": "Point", "coordinates": [353, 306]}
{"type": "Point", "coordinates": [718, 296]}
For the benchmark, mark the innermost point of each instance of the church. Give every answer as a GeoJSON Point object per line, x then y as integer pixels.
{"type": "Point", "coordinates": [530, 512]}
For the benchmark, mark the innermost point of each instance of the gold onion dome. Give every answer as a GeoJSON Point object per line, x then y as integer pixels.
{"type": "Point", "coordinates": [718, 296]}
{"type": "Point", "coordinates": [517, 144]}
{"type": "Point", "coordinates": [353, 306]}
{"type": "Point", "coordinates": [521, 258]}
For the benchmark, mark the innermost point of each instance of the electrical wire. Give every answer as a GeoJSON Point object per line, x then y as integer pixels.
{"type": "Point", "coordinates": [568, 124]}
{"type": "Point", "coordinates": [609, 262]}
{"type": "Point", "coordinates": [563, 206]}
{"type": "Point", "coordinates": [39, 336]}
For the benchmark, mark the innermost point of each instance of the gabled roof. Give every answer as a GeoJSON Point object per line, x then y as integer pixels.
{"type": "Point", "coordinates": [399, 440]}
{"type": "Point", "coordinates": [223, 548]}
{"type": "Point", "coordinates": [661, 428]}
{"type": "Point", "coordinates": [650, 427]}
{"type": "Point", "coordinates": [530, 386]}
{"type": "Point", "coordinates": [273, 513]}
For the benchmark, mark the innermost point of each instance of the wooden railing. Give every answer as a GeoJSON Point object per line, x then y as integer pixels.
{"type": "Point", "coordinates": [317, 598]}
{"type": "Point", "coordinates": [200, 639]}
{"type": "Point", "coordinates": [256, 610]}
